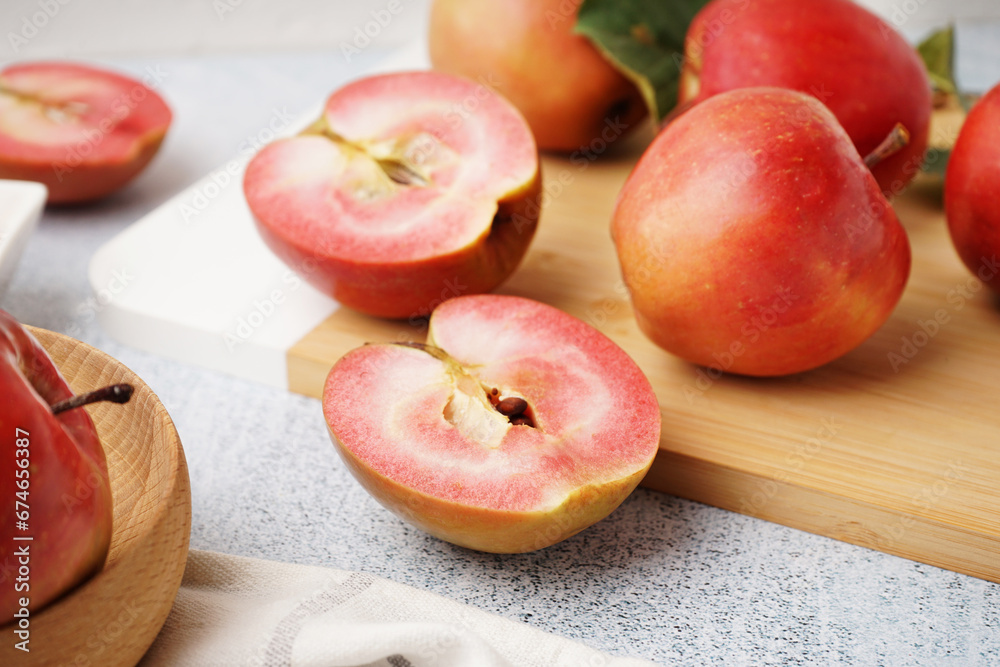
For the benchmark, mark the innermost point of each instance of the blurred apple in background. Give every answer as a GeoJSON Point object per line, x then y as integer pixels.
{"type": "Point", "coordinates": [526, 50]}
{"type": "Point", "coordinates": [837, 51]}
{"type": "Point", "coordinates": [972, 190]}
{"type": "Point", "coordinates": [82, 131]}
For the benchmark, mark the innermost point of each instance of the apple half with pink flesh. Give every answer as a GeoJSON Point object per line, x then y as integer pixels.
{"type": "Point", "coordinates": [411, 188]}
{"type": "Point", "coordinates": [514, 427]}
{"type": "Point", "coordinates": [82, 131]}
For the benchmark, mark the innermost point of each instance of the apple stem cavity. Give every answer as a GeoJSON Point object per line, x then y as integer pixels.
{"type": "Point", "coordinates": [116, 393]}
{"type": "Point", "coordinates": [514, 408]}
{"type": "Point", "coordinates": [59, 112]}
{"type": "Point", "coordinates": [432, 350]}
{"type": "Point", "coordinates": [397, 169]}
{"type": "Point", "coordinates": [896, 140]}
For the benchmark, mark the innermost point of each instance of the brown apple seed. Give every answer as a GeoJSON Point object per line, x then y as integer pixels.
{"type": "Point", "coordinates": [512, 406]}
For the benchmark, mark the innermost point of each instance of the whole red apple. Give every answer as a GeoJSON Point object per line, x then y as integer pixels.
{"type": "Point", "coordinates": [972, 190]}
{"type": "Point", "coordinates": [527, 50]}
{"type": "Point", "coordinates": [55, 497]}
{"type": "Point", "coordinates": [753, 239]}
{"type": "Point", "coordinates": [82, 131]}
{"type": "Point", "coordinates": [837, 51]}
{"type": "Point", "coordinates": [412, 188]}
{"type": "Point", "coordinates": [514, 427]}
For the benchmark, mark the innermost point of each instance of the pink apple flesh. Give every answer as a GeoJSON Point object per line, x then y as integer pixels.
{"type": "Point", "coordinates": [82, 131]}
{"type": "Point", "coordinates": [753, 239]}
{"type": "Point", "coordinates": [417, 427]}
{"type": "Point", "coordinates": [412, 187]}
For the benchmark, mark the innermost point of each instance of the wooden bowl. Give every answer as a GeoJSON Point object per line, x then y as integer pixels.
{"type": "Point", "coordinates": [114, 617]}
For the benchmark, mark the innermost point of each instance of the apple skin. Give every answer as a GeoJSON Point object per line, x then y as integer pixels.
{"type": "Point", "coordinates": [971, 197]}
{"type": "Point", "coordinates": [465, 474]}
{"type": "Point", "coordinates": [527, 51]}
{"type": "Point", "coordinates": [464, 233]}
{"type": "Point", "coordinates": [69, 493]}
{"type": "Point", "coordinates": [841, 53]}
{"type": "Point", "coordinates": [99, 150]}
{"type": "Point", "coordinates": [753, 239]}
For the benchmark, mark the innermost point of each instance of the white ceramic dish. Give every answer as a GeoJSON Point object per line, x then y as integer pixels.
{"type": "Point", "coordinates": [21, 204]}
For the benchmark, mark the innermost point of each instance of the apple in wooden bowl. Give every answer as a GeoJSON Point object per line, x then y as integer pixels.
{"type": "Point", "coordinates": [113, 614]}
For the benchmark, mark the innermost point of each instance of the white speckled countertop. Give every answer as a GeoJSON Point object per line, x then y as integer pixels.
{"type": "Point", "coordinates": [665, 579]}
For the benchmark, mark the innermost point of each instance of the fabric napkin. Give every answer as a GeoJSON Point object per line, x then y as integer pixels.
{"type": "Point", "coordinates": [233, 610]}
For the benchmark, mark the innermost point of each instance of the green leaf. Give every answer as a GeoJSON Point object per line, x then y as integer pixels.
{"type": "Point", "coordinates": [645, 40]}
{"type": "Point", "coordinates": [938, 54]}
{"type": "Point", "coordinates": [938, 164]}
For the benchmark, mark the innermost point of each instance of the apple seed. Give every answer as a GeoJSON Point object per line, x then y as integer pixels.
{"type": "Point", "coordinates": [512, 406]}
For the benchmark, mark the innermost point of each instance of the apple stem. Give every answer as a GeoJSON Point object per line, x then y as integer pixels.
{"type": "Point", "coordinates": [116, 393]}
{"type": "Point", "coordinates": [893, 143]}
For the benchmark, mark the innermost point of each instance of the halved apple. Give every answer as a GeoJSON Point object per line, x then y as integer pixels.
{"type": "Point", "coordinates": [82, 131]}
{"type": "Point", "coordinates": [514, 427]}
{"type": "Point", "coordinates": [411, 188]}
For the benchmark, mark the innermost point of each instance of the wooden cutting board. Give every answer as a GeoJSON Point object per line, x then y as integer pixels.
{"type": "Point", "coordinates": [895, 446]}
{"type": "Point", "coordinates": [898, 453]}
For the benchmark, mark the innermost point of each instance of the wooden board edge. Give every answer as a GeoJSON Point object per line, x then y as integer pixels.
{"type": "Point", "coordinates": [776, 500]}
